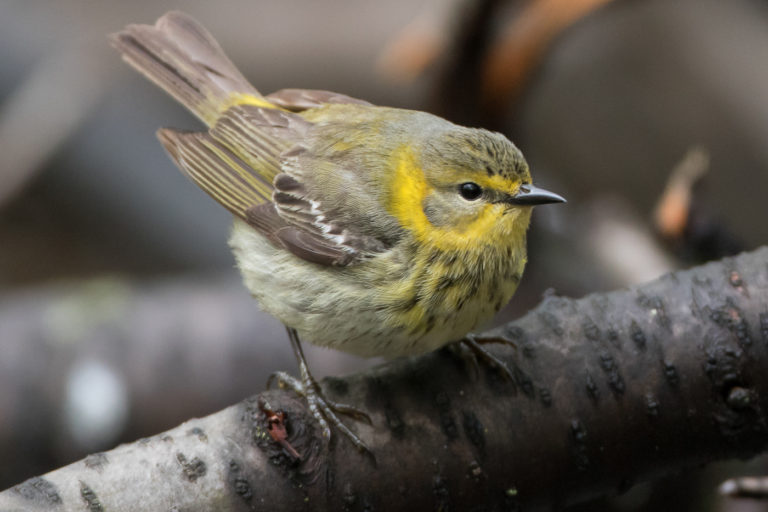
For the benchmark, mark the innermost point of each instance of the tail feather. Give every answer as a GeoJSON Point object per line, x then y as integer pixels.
{"type": "Point", "coordinates": [221, 173]}
{"type": "Point", "coordinates": [180, 56]}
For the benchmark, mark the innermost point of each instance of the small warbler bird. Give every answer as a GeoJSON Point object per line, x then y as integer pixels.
{"type": "Point", "coordinates": [372, 230]}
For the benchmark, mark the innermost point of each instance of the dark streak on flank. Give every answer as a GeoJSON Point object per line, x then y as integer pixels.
{"type": "Point", "coordinates": [444, 282]}
{"type": "Point", "coordinates": [405, 305]}
{"type": "Point", "coordinates": [431, 320]}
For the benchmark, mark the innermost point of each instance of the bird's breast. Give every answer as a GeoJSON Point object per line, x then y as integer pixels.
{"type": "Point", "coordinates": [445, 294]}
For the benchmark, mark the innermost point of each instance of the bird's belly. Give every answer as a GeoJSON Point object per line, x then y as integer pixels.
{"type": "Point", "coordinates": [380, 307]}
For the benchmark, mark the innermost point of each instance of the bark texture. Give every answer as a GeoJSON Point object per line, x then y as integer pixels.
{"type": "Point", "coordinates": [609, 390]}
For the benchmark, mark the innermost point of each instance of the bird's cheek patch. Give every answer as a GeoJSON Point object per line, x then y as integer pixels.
{"type": "Point", "coordinates": [436, 215]}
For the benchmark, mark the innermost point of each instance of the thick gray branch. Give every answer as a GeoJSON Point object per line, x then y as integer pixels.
{"type": "Point", "coordinates": [610, 390]}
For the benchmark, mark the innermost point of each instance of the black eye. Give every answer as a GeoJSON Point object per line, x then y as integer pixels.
{"type": "Point", "coordinates": [470, 191]}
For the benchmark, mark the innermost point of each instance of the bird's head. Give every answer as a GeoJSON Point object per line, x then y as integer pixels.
{"type": "Point", "coordinates": [465, 188]}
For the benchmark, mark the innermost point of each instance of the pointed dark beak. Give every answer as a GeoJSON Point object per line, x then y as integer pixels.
{"type": "Point", "coordinates": [530, 195]}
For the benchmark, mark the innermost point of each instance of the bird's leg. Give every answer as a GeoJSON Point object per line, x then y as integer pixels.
{"type": "Point", "coordinates": [322, 409]}
{"type": "Point", "coordinates": [477, 350]}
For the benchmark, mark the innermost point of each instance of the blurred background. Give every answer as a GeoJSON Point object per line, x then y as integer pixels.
{"type": "Point", "coordinates": [121, 313]}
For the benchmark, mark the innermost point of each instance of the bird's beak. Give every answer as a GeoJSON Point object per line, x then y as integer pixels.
{"type": "Point", "coordinates": [530, 195]}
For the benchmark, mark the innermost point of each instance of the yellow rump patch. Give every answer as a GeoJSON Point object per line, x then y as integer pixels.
{"type": "Point", "coordinates": [239, 98]}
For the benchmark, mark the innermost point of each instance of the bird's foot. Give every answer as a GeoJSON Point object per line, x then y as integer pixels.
{"type": "Point", "coordinates": [325, 411]}
{"type": "Point", "coordinates": [476, 351]}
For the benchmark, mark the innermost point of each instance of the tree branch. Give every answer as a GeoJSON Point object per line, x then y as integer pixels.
{"type": "Point", "coordinates": [610, 390]}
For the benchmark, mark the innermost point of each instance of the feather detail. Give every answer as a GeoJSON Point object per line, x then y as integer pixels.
{"type": "Point", "coordinates": [297, 100]}
{"type": "Point", "coordinates": [221, 173]}
{"type": "Point", "coordinates": [259, 135]}
{"type": "Point", "coordinates": [291, 221]}
{"type": "Point", "coordinates": [319, 229]}
{"type": "Point", "coordinates": [181, 57]}
{"type": "Point", "coordinates": [299, 242]}
{"type": "Point", "coordinates": [247, 161]}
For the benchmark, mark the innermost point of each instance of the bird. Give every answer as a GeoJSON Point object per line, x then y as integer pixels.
{"type": "Point", "coordinates": [372, 230]}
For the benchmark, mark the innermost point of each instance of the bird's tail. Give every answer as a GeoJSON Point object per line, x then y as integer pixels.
{"type": "Point", "coordinates": [182, 57]}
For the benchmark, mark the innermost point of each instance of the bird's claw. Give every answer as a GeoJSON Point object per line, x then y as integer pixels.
{"type": "Point", "coordinates": [477, 350]}
{"type": "Point", "coordinates": [322, 409]}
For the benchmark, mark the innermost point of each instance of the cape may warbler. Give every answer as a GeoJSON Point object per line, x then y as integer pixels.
{"type": "Point", "coordinates": [372, 230]}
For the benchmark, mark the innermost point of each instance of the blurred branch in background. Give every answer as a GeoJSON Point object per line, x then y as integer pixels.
{"type": "Point", "coordinates": [671, 215]}
{"type": "Point", "coordinates": [516, 55]}
{"type": "Point", "coordinates": [627, 91]}
{"type": "Point", "coordinates": [746, 487]}
{"type": "Point", "coordinates": [413, 50]}
{"type": "Point", "coordinates": [611, 98]}
{"type": "Point", "coordinates": [609, 390]}
{"type": "Point", "coordinates": [686, 221]}
{"type": "Point", "coordinates": [488, 49]}
{"type": "Point", "coordinates": [456, 92]}
{"type": "Point", "coordinates": [88, 364]}
{"type": "Point", "coordinates": [46, 107]}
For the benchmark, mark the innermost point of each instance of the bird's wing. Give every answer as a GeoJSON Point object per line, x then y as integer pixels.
{"type": "Point", "coordinates": [317, 233]}
{"type": "Point", "coordinates": [241, 163]}
{"type": "Point", "coordinates": [219, 171]}
{"type": "Point", "coordinates": [239, 160]}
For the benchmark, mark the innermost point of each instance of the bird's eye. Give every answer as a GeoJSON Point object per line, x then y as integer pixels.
{"type": "Point", "coordinates": [470, 191]}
